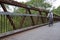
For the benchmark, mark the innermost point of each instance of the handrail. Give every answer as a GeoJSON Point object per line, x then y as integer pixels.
{"type": "Point", "coordinates": [18, 14]}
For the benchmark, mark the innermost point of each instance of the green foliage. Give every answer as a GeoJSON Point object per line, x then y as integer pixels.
{"type": "Point", "coordinates": [35, 3]}
{"type": "Point", "coordinates": [20, 10]}
{"type": "Point", "coordinates": [4, 24]}
{"type": "Point", "coordinates": [57, 11]}
{"type": "Point", "coordinates": [38, 3]}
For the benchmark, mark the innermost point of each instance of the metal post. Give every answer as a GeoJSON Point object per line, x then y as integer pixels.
{"type": "Point", "coordinates": [41, 17]}
{"type": "Point", "coordinates": [33, 23]}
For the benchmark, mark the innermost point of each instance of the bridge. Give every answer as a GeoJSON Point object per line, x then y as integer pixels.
{"type": "Point", "coordinates": [41, 33]}
{"type": "Point", "coordinates": [12, 24]}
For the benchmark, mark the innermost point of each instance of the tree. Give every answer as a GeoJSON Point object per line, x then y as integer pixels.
{"type": "Point", "coordinates": [35, 3]}
{"type": "Point", "coordinates": [38, 3]}
{"type": "Point", "coordinates": [57, 11]}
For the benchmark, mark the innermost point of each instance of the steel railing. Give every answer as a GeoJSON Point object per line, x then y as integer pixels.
{"type": "Point", "coordinates": [6, 26]}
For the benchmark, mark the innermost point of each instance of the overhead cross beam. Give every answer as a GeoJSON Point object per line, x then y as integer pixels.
{"type": "Point", "coordinates": [14, 3]}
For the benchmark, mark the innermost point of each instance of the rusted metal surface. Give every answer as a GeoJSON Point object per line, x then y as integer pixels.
{"type": "Point", "coordinates": [10, 20]}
